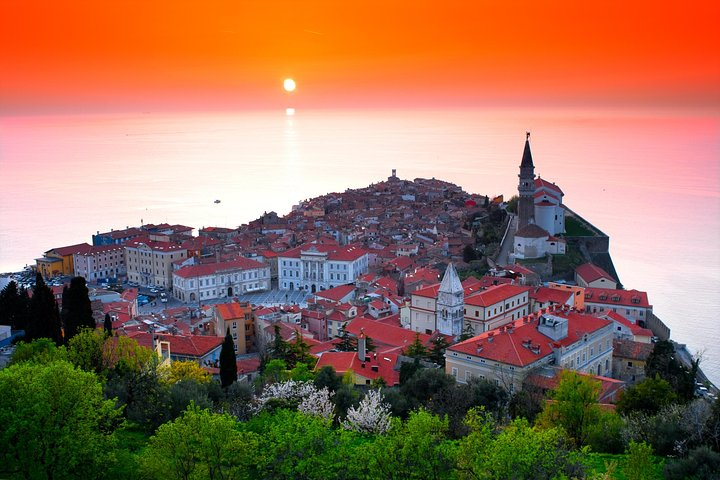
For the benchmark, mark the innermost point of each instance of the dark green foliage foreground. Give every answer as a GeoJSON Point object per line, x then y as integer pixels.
{"type": "Point", "coordinates": [103, 408]}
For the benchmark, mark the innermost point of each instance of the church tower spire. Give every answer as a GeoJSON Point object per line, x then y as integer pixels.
{"type": "Point", "coordinates": [449, 314]}
{"type": "Point", "coordinates": [526, 187]}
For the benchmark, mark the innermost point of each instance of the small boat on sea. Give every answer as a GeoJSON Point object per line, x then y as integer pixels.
{"type": "Point", "coordinates": [217, 201]}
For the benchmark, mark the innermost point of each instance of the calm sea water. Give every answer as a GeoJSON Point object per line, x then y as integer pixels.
{"type": "Point", "coordinates": [650, 180]}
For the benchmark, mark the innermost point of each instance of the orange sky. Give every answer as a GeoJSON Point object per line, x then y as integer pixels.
{"type": "Point", "coordinates": [159, 54]}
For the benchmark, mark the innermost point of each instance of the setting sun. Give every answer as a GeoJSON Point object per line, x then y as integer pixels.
{"type": "Point", "coordinates": [289, 85]}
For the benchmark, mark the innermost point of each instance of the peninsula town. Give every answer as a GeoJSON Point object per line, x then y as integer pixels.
{"type": "Point", "coordinates": [374, 284]}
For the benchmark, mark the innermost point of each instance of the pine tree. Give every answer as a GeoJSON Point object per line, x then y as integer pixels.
{"type": "Point", "coordinates": [416, 349]}
{"type": "Point", "coordinates": [107, 325]}
{"type": "Point", "coordinates": [437, 351]}
{"type": "Point", "coordinates": [44, 321]}
{"type": "Point", "coordinates": [228, 365]}
{"type": "Point", "coordinates": [13, 307]}
{"type": "Point", "coordinates": [467, 333]}
{"type": "Point", "coordinates": [280, 348]}
{"type": "Point", "coordinates": [347, 343]}
{"type": "Point", "coordinates": [76, 310]}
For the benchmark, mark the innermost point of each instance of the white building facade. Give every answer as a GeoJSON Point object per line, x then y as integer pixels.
{"type": "Point", "coordinates": [210, 281]}
{"type": "Point", "coordinates": [317, 267]}
{"type": "Point", "coordinates": [104, 262]}
{"type": "Point", "coordinates": [149, 262]}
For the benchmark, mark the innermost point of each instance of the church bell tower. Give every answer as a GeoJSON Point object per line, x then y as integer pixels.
{"type": "Point", "coordinates": [449, 309]}
{"type": "Point", "coordinates": [526, 187]}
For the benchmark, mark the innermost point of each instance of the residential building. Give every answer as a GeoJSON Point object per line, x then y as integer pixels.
{"type": "Point", "coordinates": [149, 262]}
{"type": "Point", "coordinates": [60, 261]}
{"type": "Point", "coordinates": [590, 275]}
{"type": "Point", "coordinates": [238, 317]}
{"type": "Point", "coordinates": [100, 262]}
{"type": "Point", "coordinates": [495, 306]}
{"type": "Point", "coordinates": [542, 298]}
{"type": "Point", "coordinates": [629, 359]}
{"type": "Point", "coordinates": [315, 267]}
{"type": "Point", "coordinates": [207, 281]}
{"type": "Point", "coordinates": [202, 349]}
{"type": "Point", "coordinates": [631, 304]}
{"type": "Point", "coordinates": [508, 354]}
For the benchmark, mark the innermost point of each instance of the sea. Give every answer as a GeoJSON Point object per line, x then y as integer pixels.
{"type": "Point", "coordinates": [650, 179]}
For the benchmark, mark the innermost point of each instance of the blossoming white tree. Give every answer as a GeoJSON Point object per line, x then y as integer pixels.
{"type": "Point", "coordinates": [305, 395]}
{"type": "Point", "coordinates": [319, 404]}
{"type": "Point", "coordinates": [370, 416]}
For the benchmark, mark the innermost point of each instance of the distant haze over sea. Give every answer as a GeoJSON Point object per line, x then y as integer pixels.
{"type": "Point", "coordinates": [650, 180]}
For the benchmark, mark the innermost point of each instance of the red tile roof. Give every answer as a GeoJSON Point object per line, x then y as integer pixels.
{"type": "Point", "coordinates": [389, 335]}
{"type": "Point", "coordinates": [336, 294]}
{"type": "Point", "coordinates": [375, 365]}
{"type": "Point", "coordinates": [591, 272]}
{"type": "Point", "coordinates": [240, 263]}
{"type": "Point", "coordinates": [70, 250]}
{"type": "Point", "coordinates": [552, 295]}
{"type": "Point", "coordinates": [185, 345]}
{"type": "Point", "coordinates": [335, 252]}
{"type": "Point", "coordinates": [633, 350]}
{"type": "Point", "coordinates": [153, 245]}
{"type": "Point", "coordinates": [634, 328]}
{"type": "Point", "coordinates": [542, 183]}
{"type": "Point", "coordinates": [494, 294]}
{"type": "Point", "coordinates": [510, 348]}
{"type": "Point", "coordinates": [531, 230]}
{"type": "Point", "coordinates": [231, 311]}
{"type": "Point", "coordinates": [630, 298]}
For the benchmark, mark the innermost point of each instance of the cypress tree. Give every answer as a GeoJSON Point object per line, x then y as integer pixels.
{"type": "Point", "coordinates": [107, 325]}
{"type": "Point", "coordinates": [13, 307]}
{"type": "Point", "coordinates": [44, 321]}
{"type": "Point", "coordinates": [77, 310]}
{"type": "Point", "coordinates": [228, 367]}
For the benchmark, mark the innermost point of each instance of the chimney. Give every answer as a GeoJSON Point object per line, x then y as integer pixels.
{"type": "Point", "coordinates": [361, 346]}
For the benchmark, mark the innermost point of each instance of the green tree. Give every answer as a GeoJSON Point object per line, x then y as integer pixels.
{"type": "Point", "coordinates": [639, 464]}
{"type": "Point", "coordinates": [426, 385]}
{"type": "Point", "coordinates": [143, 394]}
{"type": "Point", "coordinates": [573, 406]}
{"type": "Point", "coordinates": [298, 352]}
{"type": "Point", "coordinates": [648, 396]}
{"type": "Point", "coordinates": [126, 352]}
{"type": "Point", "coordinates": [14, 307]}
{"type": "Point", "coordinates": [107, 325]}
{"type": "Point", "coordinates": [55, 423]}
{"type": "Point", "coordinates": [347, 342]}
{"type": "Point", "coordinates": [327, 377]}
{"type": "Point", "coordinates": [437, 350]}
{"type": "Point", "coordinates": [44, 319]}
{"type": "Point", "coordinates": [293, 445]}
{"type": "Point", "coordinates": [200, 444]}
{"type": "Point", "coordinates": [76, 308]}
{"type": "Point", "coordinates": [179, 371]}
{"type": "Point", "coordinates": [663, 361]}
{"type": "Point", "coordinates": [42, 350]}
{"type": "Point", "coordinates": [276, 371]}
{"type": "Point", "coordinates": [279, 348]}
{"type": "Point", "coordinates": [228, 361]}
{"type": "Point", "coordinates": [467, 333]}
{"type": "Point", "coordinates": [416, 349]}
{"type": "Point", "coordinates": [85, 350]}
{"type": "Point", "coordinates": [415, 449]}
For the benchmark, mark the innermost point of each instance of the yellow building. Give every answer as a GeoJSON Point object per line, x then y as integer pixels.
{"type": "Point", "coordinates": [578, 294]}
{"type": "Point", "coordinates": [238, 317]}
{"type": "Point", "coordinates": [59, 261]}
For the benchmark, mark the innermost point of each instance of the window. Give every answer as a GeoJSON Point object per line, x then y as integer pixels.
{"type": "Point", "coordinates": [454, 372]}
{"type": "Point", "coordinates": [234, 324]}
